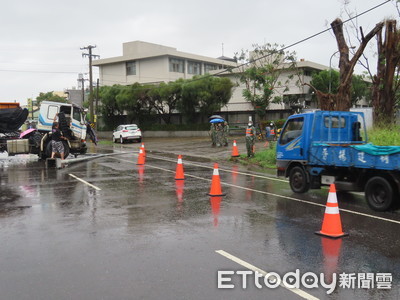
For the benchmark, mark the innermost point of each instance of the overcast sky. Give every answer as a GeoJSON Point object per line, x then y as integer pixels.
{"type": "Point", "coordinates": [41, 40]}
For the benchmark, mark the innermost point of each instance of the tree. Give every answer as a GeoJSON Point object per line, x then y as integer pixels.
{"type": "Point", "coordinates": [346, 65]}
{"type": "Point", "coordinates": [328, 81]}
{"type": "Point", "coordinates": [261, 72]}
{"type": "Point", "coordinates": [385, 82]}
{"type": "Point", "coordinates": [50, 96]}
{"type": "Point", "coordinates": [164, 99]}
{"type": "Point", "coordinates": [134, 100]}
{"type": "Point", "coordinates": [109, 108]}
{"type": "Point", "coordinates": [342, 99]}
{"type": "Point", "coordinates": [204, 95]}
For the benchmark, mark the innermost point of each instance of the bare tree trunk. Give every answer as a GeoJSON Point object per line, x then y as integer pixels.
{"type": "Point", "coordinates": [342, 100]}
{"type": "Point", "coordinates": [383, 100]}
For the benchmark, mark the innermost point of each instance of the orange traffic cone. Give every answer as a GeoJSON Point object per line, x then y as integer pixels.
{"type": "Point", "coordinates": [144, 150]}
{"type": "Point", "coordinates": [331, 225]}
{"type": "Point", "coordinates": [141, 158]}
{"type": "Point", "coordinates": [235, 151]}
{"type": "Point", "coordinates": [215, 189]}
{"type": "Point", "coordinates": [179, 169]}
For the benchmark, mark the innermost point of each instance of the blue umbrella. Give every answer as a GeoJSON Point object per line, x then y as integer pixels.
{"type": "Point", "coordinates": [217, 120]}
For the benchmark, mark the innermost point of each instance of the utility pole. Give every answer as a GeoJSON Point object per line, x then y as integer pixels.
{"type": "Point", "coordinates": [97, 102]}
{"type": "Point", "coordinates": [90, 55]}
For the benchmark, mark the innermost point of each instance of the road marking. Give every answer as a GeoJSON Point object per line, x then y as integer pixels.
{"type": "Point", "coordinates": [271, 194]}
{"type": "Point", "coordinates": [221, 169]}
{"type": "Point", "coordinates": [85, 182]}
{"type": "Point", "coordinates": [253, 268]}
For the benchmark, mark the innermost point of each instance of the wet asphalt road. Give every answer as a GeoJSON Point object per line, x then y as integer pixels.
{"type": "Point", "coordinates": [136, 233]}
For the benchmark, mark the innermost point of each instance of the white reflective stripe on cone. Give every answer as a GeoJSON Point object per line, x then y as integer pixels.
{"type": "Point", "coordinates": [332, 210]}
{"type": "Point", "coordinates": [332, 198]}
{"type": "Point", "coordinates": [180, 161]}
{"type": "Point", "coordinates": [215, 172]}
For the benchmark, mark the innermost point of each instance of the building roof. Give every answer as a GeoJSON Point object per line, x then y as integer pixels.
{"type": "Point", "coordinates": [140, 50]}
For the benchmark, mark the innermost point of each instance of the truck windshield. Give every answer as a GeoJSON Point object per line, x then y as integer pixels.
{"type": "Point", "coordinates": [292, 130]}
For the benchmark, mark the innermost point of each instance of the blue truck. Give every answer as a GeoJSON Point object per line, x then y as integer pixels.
{"type": "Point", "coordinates": [324, 147]}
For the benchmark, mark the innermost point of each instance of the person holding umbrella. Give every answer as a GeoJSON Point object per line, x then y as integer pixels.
{"type": "Point", "coordinates": [216, 130]}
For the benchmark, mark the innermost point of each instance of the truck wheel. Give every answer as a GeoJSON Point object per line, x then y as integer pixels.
{"type": "Point", "coordinates": [49, 149]}
{"type": "Point", "coordinates": [379, 193]}
{"type": "Point", "coordinates": [298, 180]}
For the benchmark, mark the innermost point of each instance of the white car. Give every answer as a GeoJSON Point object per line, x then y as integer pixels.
{"type": "Point", "coordinates": [130, 132]}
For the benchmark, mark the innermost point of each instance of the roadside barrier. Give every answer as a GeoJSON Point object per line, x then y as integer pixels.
{"type": "Point", "coordinates": [235, 151]}
{"type": "Point", "coordinates": [332, 225]}
{"type": "Point", "coordinates": [216, 189]}
{"type": "Point", "coordinates": [179, 175]}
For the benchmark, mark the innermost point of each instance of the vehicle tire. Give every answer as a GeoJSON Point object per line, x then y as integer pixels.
{"type": "Point", "coordinates": [66, 149]}
{"type": "Point", "coordinates": [139, 140]}
{"type": "Point", "coordinates": [121, 140]}
{"type": "Point", "coordinates": [298, 180]}
{"type": "Point", "coordinates": [49, 149]}
{"type": "Point", "coordinates": [379, 193]}
{"type": "Point", "coordinates": [114, 140]}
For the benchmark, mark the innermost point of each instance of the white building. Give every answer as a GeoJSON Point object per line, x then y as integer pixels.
{"type": "Point", "coordinates": [144, 62]}
{"type": "Point", "coordinates": [151, 63]}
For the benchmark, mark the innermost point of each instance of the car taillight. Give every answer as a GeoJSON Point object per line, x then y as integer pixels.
{"type": "Point", "coordinates": [138, 129]}
{"type": "Point", "coordinates": [124, 130]}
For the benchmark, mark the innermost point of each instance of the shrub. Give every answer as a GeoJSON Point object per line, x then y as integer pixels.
{"type": "Point", "coordinates": [385, 135]}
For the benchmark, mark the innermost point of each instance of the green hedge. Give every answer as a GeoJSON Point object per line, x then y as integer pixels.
{"type": "Point", "coordinates": [175, 127]}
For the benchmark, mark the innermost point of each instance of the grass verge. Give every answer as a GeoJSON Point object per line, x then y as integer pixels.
{"type": "Point", "coordinates": [264, 158]}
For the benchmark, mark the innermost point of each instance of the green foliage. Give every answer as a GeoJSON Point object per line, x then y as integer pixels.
{"type": "Point", "coordinates": [359, 88]}
{"type": "Point", "coordinates": [261, 73]}
{"type": "Point", "coordinates": [50, 96]}
{"type": "Point", "coordinates": [385, 135]}
{"type": "Point", "coordinates": [200, 95]}
{"type": "Point", "coordinates": [204, 94]}
{"type": "Point", "coordinates": [175, 127]}
{"type": "Point", "coordinates": [322, 80]}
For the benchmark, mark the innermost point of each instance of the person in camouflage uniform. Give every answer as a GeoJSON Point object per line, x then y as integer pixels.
{"type": "Point", "coordinates": [220, 133]}
{"type": "Point", "coordinates": [226, 134]}
{"type": "Point", "coordinates": [250, 139]}
{"type": "Point", "coordinates": [213, 135]}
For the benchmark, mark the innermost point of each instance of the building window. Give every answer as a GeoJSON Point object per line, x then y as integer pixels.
{"type": "Point", "coordinates": [131, 68]}
{"type": "Point", "coordinates": [194, 68]}
{"type": "Point", "coordinates": [209, 67]}
{"type": "Point", "coordinates": [176, 65]}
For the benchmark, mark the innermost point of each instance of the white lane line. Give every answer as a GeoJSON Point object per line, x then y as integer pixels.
{"type": "Point", "coordinates": [221, 169]}
{"type": "Point", "coordinates": [85, 182]}
{"type": "Point", "coordinates": [253, 268]}
{"type": "Point", "coordinates": [271, 194]}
